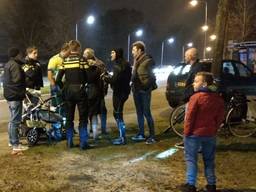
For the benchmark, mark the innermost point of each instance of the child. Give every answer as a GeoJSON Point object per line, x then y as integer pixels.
{"type": "Point", "coordinates": [204, 115]}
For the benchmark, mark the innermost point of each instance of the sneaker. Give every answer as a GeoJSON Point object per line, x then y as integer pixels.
{"type": "Point", "coordinates": [187, 188]}
{"type": "Point", "coordinates": [211, 188]}
{"type": "Point", "coordinates": [19, 148]}
{"type": "Point", "coordinates": [179, 145]}
{"type": "Point", "coordinates": [150, 141]}
{"type": "Point", "coordinates": [138, 138]}
{"type": "Point", "coordinates": [119, 141]}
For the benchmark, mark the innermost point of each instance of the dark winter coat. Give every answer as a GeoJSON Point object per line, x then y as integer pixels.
{"type": "Point", "coordinates": [34, 75]}
{"type": "Point", "coordinates": [14, 81]}
{"type": "Point", "coordinates": [143, 77]}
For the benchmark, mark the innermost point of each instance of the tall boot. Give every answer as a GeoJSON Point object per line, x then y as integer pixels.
{"type": "Point", "coordinates": [83, 135]}
{"type": "Point", "coordinates": [94, 123]}
{"type": "Point", "coordinates": [69, 133]}
{"type": "Point", "coordinates": [122, 139]}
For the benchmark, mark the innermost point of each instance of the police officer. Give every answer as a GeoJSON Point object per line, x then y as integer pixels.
{"type": "Point", "coordinates": [74, 93]}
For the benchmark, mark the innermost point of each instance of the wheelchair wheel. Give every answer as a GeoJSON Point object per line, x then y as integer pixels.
{"type": "Point", "coordinates": [177, 120]}
{"type": "Point", "coordinates": [32, 136]}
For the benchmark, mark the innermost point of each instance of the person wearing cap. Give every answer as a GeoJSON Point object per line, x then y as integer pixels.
{"type": "Point", "coordinates": [14, 92]}
{"type": "Point", "coordinates": [120, 83]}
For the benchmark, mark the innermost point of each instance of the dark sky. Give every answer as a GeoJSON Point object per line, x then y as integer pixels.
{"type": "Point", "coordinates": [161, 13]}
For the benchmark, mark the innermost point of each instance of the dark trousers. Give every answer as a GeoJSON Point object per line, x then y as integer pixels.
{"type": "Point", "coordinates": [83, 116]}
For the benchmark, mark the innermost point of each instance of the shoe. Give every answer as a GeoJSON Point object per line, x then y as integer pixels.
{"type": "Point", "coordinates": [211, 188]}
{"type": "Point", "coordinates": [179, 145]}
{"type": "Point", "coordinates": [138, 138]}
{"type": "Point", "coordinates": [19, 148]}
{"type": "Point", "coordinates": [187, 188]}
{"type": "Point", "coordinates": [119, 141]}
{"type": "Point", "coordinates": [150, 141]}
{"type": "Point", "coordinates": [86, 147]}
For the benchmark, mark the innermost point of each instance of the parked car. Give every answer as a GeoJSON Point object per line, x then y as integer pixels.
{"type": "Point", "coordinates": [235, 76]}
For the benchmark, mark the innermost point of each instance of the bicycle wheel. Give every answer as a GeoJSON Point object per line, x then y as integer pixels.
{"type": "Point", "coordinates": [177, 120]}
{"type": "Point", "coordinates": [239, 124]}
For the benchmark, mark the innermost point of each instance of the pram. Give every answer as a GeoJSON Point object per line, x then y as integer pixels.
{"type": "Point", "coordinates": [37, 118]}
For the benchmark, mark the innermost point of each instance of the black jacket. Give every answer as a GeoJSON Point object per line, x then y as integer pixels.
{"type": "Point", "coordinates": [14, 81]}
{"type": "Point", "coordinates": [189, 90]}
{"type": "Point", "coordinates": [34, 76]}
{"type": "Point", "coordinates": [120, 81]}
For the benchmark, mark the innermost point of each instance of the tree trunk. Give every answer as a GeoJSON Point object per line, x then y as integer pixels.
{"type": "Point", "coordinates": [221, 22]}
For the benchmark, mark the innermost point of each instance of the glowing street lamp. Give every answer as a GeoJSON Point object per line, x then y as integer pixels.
{"type": "Point", "coordinates": [138, 33]}
{"type": "Point", "coordinates": [213, 37]}
{"type": "Point", "coordinates": [208, 49]}
{"type": "Point", "coordinates": [205, 27]}
{"type": "Point", "coordinates": [190, 44]}
{"type": "Point", "coordinates": [193, 3]}
{"type": "Point", "coordinates": [90, 21]}
{"type": "Point", "coordinates": [170, 41]}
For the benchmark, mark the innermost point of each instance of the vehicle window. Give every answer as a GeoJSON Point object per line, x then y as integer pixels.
{"type": "Point", "coordinates": [176, 70]}
{"type": "Point", "coordinates": [242, 70]}
{"type": "Point", "coordinates": [228, 69]}
{"type": "Point", "coordinates": [186, 69]}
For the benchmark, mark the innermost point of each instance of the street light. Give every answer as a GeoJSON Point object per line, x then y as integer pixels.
{"type": "Point", "coordinates": [170, 41]}
{"type": "Point", "coordinates": [208, 49]}
{"type": "Point", "coordinates": [138, 33]}
{"type": "Point", "coordinates": [213, 37]}
{"type": "Point", "coordinates": [90, 21]}
{"type": "Point", "coordinates": [205, 27]}
{"type": "Point", "coordinates": [189, 45]}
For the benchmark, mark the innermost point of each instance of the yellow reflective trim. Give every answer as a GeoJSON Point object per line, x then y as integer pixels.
{"type": "Point", "coordinates": [68, 66]}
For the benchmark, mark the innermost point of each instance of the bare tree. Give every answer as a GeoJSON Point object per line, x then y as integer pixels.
{"type": "Point", "coordinates": [221, 22]}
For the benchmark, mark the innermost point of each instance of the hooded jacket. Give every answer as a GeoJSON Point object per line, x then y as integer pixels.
{"type": "Point", "coordinates": [205, 113]}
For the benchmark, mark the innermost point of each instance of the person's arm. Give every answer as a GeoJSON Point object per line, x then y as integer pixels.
{"type": "Point", "coordinates": [190, 115]}
{"type": "Point", "coordinates": [50, 74]}
{"type": "Point", "coordinates": [116, 73]}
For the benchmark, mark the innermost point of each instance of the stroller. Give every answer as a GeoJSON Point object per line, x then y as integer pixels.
{"type": "Point", "coordinates": [37, 118]}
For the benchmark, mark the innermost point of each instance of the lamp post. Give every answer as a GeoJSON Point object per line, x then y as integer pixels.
{"type": "Point", "coordinates": [170, 41]}
{"type": "Point", "coordinates": [205, 27]}
{"type": "Point", "coordinates": [90, 21]}
{"type": "Point", "coordinates": [190, 44]}
{"type": "Point", "coordinates": [138, 33]}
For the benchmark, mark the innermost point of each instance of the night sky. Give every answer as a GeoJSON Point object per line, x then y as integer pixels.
{"type": "Point", "coordinates": [162, 15]}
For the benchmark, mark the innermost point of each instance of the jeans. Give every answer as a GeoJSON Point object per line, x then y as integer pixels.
{"type": "Point", "coordinates": [142, 100]}
{"type": "Point", "coordinates": [15, 108]}
{"type": "Point", "coordinates": [208, 145]}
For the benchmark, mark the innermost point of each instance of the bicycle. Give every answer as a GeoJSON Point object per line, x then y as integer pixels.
{"type": "Point", "coordinates": [239, 121]}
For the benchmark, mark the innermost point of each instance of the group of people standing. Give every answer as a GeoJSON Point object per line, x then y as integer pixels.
{"type": "Point", "coordinates": [82, 80]}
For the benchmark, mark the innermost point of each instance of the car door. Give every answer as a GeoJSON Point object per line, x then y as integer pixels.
{"type": "Point", "coordinates": [245, 79]}
{"type": "Point", "coordinates": [228, 77]}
